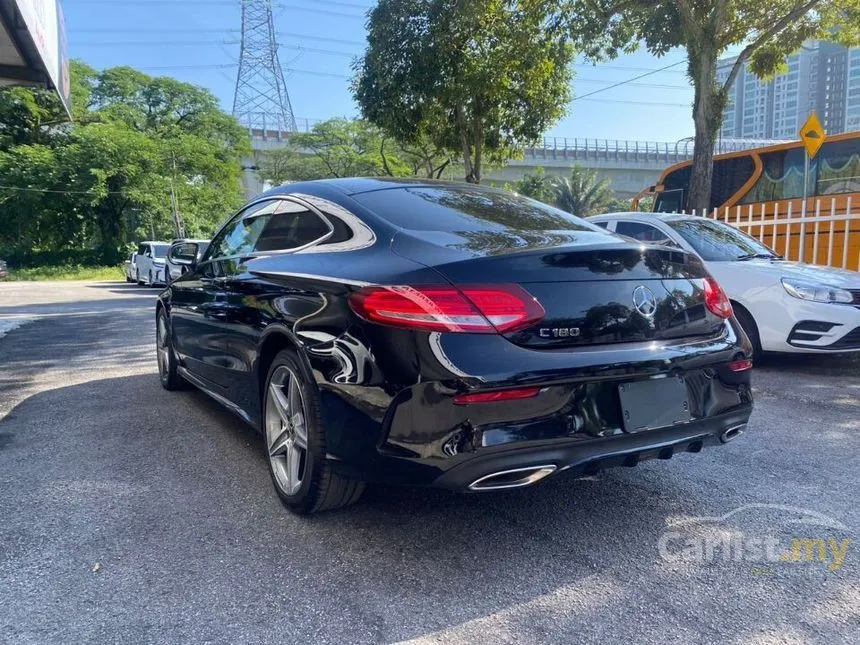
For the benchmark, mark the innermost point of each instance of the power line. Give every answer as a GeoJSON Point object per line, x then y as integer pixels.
{"type": "Point", "coordinates": [234, 3]}
{"type": "Point", "coordinates": [310, 72]}
{"type": "Point", "coordinates": [284, 34]}
{"type": "Point", "coordinates": [660, 103]}
{"type": "Point", "coordinates": [629, 80]}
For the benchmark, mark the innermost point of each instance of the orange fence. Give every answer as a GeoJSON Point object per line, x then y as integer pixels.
{"type": "Point", "coordinates": [821, 230]}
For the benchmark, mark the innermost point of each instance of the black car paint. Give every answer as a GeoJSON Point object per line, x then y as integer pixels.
{"type": "Point", "coordinates": [388, 394]}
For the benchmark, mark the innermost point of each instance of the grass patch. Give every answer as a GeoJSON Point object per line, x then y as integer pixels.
{"type": "Point", "coordinates": [66, 272]}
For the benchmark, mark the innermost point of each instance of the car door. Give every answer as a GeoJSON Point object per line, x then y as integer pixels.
{"type": "Point", "coordinates": [247, 304]}
{"type": "Point", "coordinates": [200, 321]}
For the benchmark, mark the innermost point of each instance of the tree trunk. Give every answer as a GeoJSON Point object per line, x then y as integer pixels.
{"type": "Point", "coordinates": [707, 114]}
{"type": "Point", "coordinates": [478, 139]}
{"type": "Point", "coordinates": [463, 127]}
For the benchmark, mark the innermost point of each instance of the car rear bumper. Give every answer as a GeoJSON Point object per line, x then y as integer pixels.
{"type": "Point", "coordinates": [589, 457]}
{"type": "Point", "coordinates": [420, 435]}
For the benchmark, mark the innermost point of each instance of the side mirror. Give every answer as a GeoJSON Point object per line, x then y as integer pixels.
{"type": "Point", "coordinates": [183, 254]}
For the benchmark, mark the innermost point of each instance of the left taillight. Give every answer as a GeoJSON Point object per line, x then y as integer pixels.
{"type": "Point", "coordinates": [476, 309]}
{"type": "Point", "coordinates": [716, 299]}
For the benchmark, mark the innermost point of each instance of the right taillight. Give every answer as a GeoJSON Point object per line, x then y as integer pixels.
{"type": "Point", "coordinates": [477, 309]}
{"type": "Point", "coordinates": [716, 299]}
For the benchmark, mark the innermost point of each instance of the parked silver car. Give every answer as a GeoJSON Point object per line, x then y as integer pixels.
{"type": "Point", "coordinates": [149, 264]}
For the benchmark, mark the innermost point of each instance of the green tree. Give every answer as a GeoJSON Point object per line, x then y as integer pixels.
{"type": "Point", "coordinates": [97, 184]}
{"type": "Point", "coordinates": [582, 193]}
{"type": "Point", "coordinates": [765, 32]}
{"type": "Point", "coordinates": [537, 185]}
{"type": "Point", "coordinates": [348, 148]}
{"type": "Point", "coordinates": [479, 79]}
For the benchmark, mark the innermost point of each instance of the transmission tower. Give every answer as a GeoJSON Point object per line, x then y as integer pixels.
{"type": "Point", "coordinates": [261, 100]}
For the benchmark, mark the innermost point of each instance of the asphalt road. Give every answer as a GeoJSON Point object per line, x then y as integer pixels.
{"type": "Point", "coordinates": [132, 515]}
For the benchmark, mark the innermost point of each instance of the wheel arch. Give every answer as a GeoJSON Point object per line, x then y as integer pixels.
{"type": "Point", "coordinates": [737, 306]}
{"type": "Point", "coordinates": [276, 338]}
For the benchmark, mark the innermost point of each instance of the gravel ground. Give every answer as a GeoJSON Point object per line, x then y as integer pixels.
{"type": "Point", "coordinates": [134, 515]}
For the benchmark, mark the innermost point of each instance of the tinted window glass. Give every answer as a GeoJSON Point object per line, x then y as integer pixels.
{"type": "Point", "coordinates": [781, 177]}
{"type": "Point", "coordinates": [675, 184]}
{"type": "Point", "coordinates": [729, 177]}
{"type": "Point", "coordinates": [717, 241]}
{"type": "Point", "coordinates": [670, 201]}
{"type": "Point", "coordinates": [239, 236]}
{"type": "Point", "coordinates": [342, 232]}
{"type": "Point", "coordinates": [839, 167]}
{"type": "Point", "coordinates": [641, 232]}
{"type": "Point", "coordinates": [160, 251]}
{"type": "Point", "coordinates": [601, 224]}
{"type": "Point", "coordinates": [467, 209]}
{"type": "Point", "coordinates": [291, 227]}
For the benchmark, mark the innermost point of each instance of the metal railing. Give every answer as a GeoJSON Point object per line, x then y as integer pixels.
{"type": "Point", "coordinates": [620, 149]}
{"type": "Point", "coordinates": [823, 231]}
{"type": "Point", "coordinates": [576, 146]}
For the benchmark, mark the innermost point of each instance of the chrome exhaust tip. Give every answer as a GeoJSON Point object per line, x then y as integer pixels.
{"type": "Point", "coordinates": [516, 478]}
{"type": "Point", "coordinates": [731, 433]}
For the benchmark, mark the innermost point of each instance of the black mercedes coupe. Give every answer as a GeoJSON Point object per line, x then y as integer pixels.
{"type": "Point", "coordinates": [449, 335]}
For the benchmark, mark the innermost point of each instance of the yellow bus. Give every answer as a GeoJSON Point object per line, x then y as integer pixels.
{"type": "Point", "coordinates": [762, 189]}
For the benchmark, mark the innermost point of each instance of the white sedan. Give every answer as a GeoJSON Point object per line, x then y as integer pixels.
{"type": "Point", "coordinates": [783, 306]}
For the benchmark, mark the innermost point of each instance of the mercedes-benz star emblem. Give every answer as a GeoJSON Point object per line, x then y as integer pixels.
{"type": "Point", "coordinates": [644, 301]}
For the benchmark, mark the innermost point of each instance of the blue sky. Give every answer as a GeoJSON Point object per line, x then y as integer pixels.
{"type": "Point", "coordinates": [198, 41]}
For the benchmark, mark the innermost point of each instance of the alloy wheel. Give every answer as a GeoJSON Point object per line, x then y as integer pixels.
{"type": "Point", "coordinates": [286, 430]}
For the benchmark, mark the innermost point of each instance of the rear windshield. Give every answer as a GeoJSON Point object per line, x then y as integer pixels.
{"type": "Point", "coordinates": [467, 209]}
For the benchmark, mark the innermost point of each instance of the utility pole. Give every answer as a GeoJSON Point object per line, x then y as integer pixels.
{"type": "Point", "coordinates": [261, 101]}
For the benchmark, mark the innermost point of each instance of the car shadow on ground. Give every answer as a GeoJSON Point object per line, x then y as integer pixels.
{"type": "Point", "coordinates": [171, 495]}
{"type": "Point", "coordinates": [126, 288]}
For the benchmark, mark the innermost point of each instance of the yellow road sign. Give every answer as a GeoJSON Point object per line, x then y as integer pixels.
{"type": "Point", "coordinates": [812, 135]}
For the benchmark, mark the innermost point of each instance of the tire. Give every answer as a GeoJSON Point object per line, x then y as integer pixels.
{"type": "Point", "coordinates": [150, 283]}
{"type": "Point", "coordinates": [137, 277]}
{"type": "Point", "coordinates": [301, 474]}
{"type": "Point", "coordinates": [167, 373]}
{"type": "Point", "coordinates": [750, 329]}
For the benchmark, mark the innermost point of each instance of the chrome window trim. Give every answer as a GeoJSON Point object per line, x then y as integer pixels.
{"type": "Point", "coordinates": [272, 198]}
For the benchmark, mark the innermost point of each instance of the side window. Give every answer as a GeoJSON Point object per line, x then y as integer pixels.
{"type": "Point", "coordinates": [601, 224]}
{"type": "Point", "coordinates": [240, 234]}
{"type": "Point", "coordinates": [141, 249]}
{"type": "Point", "coordinates": [342, 232]}
{"type": "Point", "coordinates": [642, 232]}
{"type": "Point", "coordinates": [147, 251]}
{"type": "Point", "coordinates": [729, 177]}
{"type": "Point", "coordinates": [291, 227]}
{"type": "Point", "coordinates": [671, 199]}
{"type": "Point", "coordinates": [839, 167]}
{"type": "Point", "coordinates": [781, 177]}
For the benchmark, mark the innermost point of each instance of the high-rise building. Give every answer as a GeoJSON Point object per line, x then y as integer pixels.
{"type": "Point", "coordinates": [822, 76]}
{"type": "Point", "coordinates": [852, 91]}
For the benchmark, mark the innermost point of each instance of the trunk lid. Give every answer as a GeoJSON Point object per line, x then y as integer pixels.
{"type": "Point", "coordinates": [593, 294]}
